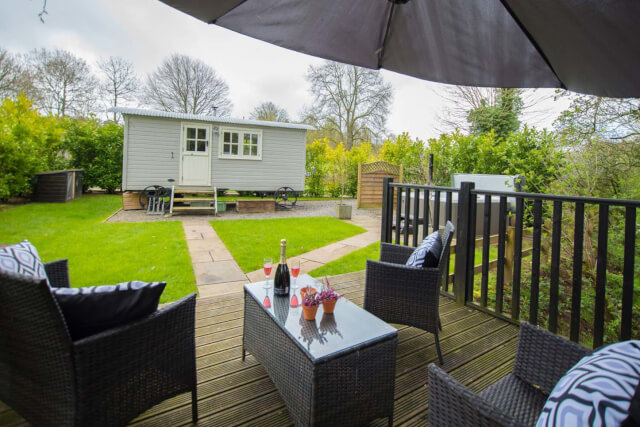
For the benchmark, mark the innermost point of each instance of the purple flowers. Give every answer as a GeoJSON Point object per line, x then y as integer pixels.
{"type": "Point", "coordinates": [311, 299]}
{"type": "Point", "coordinates": [327, 293]}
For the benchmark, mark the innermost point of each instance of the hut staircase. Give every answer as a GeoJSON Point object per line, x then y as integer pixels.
{"type": "Point", "coordinates": [193, 200]}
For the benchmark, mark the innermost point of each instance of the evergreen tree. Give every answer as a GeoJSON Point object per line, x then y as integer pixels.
{"type": "Point", "coordinates": [503, 117]}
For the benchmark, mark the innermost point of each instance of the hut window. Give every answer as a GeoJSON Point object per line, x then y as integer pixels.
{"type": "Point", "coordinates": [241, 144]}
{"type": "Point", "coordinates": [196, 140]}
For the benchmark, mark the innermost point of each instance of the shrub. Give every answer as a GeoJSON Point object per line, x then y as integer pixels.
{"type": "Point", "coordinates": [29, 143]}
{"type": "Point", "coordinates": [98, 150]}
{"type": "Point", "coordinates": [317, 166]}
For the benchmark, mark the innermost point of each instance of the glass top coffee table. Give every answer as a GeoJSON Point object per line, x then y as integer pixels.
{"type": "Point", "coordinates": [336, 370]}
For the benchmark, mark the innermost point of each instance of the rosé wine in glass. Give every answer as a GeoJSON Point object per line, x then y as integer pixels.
{"type": "Point", "coordinates": [267, 266]}
{"type": "Point", "coordinates": [295, 271]}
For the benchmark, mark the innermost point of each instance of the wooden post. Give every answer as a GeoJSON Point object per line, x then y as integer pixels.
{"type": "Point", "coordinates": [430, 177]}
{"type": "Point", "coordinates": [509, 254]}
{"type": "Point", "coordinates": [360, 185]}
{"type": "Point", "coordinates": [400, 175]}
{"type": "Point", "coordinates": [465, 244]}
{"type": "Point", "coordinates": [385, 236]}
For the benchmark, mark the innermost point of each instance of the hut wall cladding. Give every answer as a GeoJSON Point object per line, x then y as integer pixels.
{"type": "Point", "coordinates": [60, 186]}
{"type": "Point", "coordinates": [370, 176]}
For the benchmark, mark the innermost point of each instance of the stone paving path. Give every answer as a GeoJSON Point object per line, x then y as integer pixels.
{"type": "Point", "coordinates": [217, 273]}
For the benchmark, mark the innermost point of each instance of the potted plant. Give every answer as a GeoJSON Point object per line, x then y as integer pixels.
{"type": "Point", "coordinates": [310, 303]}
{"type": "Point", "coordinates": [329, 297]}
{"type": "Point", "coordinates": [305, 290]}
{"type": "Point", "coordinates": [340, 171]}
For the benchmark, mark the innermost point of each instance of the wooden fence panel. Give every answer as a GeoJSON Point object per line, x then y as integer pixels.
{"type": "Point", "coordinates": [370, 176]}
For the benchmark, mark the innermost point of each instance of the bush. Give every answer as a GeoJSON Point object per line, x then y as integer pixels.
{"type": "Point", "coordinates": [536, 155]}
{"type": "Point", "coordinates": [409, 153]}
{"type": "Point", "coordinates": [317, 167]}
{"type": "Point", "coordinates": [29, 143]}
{"type": "Point", "coordinates": [98, 150]}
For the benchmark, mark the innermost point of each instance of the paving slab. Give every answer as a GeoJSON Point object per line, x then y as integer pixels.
{"type": "Point", "coordinates": [221, 254]}
{"type": "Point", "coordinates": [362, 240]}
{"type": "Point", "coordinates": [258, 276]}
{"type": "Point", "coordinates": [328, 253]}
{"type": "Point", "coordinates": [202, 245]}
{"type": "Point", "coordinates": [217, 272]}
{"type": "Point", "coordinates": [200, 256]}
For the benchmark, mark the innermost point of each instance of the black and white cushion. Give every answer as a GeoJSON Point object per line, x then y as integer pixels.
{"type": "Point", "coordinates": [90, 310]}
{"type": "Point", "coordinates": [23, 259]}
{"type": "Point", "coordinates": [427, 254]}
{"type": "Point", "coordinates": [597, 391]}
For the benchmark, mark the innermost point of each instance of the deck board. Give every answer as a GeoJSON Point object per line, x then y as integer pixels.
{"type": "Point", "coordinates": [478, 350]}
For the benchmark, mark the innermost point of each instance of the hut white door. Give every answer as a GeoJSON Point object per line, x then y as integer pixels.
{"type": "Point", "coordinates": [195, 155]}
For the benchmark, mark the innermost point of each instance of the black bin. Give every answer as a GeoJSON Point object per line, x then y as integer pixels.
{"type": "Point", "coordinates": [58, 186]}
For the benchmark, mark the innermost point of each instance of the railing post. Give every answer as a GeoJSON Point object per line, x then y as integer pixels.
{"type": "Point", "coordinates": [387, 209]}
{"type": "Point", "coordinates": [509, 249]}
{"type": "Point", "coordinates": [465, 244]}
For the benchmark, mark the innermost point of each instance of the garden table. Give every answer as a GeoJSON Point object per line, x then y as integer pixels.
{"type": "Point", "coordinates": [335, 370]}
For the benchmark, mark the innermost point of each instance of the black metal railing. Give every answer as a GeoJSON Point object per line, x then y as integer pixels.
{"type": "Point", "coordinates": [411, 212]}
{"type": "Point", "coordinates": [551, 253]}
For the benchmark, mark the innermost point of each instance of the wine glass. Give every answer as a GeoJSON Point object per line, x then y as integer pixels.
{"type": "Point", "coordinates": [295, 270]}
{"type": "Point", "coordinates": [267, 265]}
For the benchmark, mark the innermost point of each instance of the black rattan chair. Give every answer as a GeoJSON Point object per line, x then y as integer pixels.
{"type": "Point", "coordinates": [106, 379]}
{"type": "Point", "coordinates": [407, 295]}
{"type": "Point", "coordinates": [542, 359]}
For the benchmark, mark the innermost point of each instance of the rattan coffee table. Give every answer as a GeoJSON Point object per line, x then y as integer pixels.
{"type": "Point", "coordinates": [336, 370]}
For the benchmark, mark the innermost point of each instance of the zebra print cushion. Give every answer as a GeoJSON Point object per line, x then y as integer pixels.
{"type": "Point", "coordinates": [90, 310]}
{"type": "Point", "coordinates": [427, 254]}
{"type": "Point", "coordinates": [23, 259]}
{"type": "Point", "coordinates": [597, 391]}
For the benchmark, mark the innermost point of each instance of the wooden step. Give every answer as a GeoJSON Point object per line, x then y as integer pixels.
{"type": "Point", "coordinates": [193, 208]}
{"type": "Point", "coordinates": [191, 199]}
{"type": "Point", "coordinates": [194, 192]}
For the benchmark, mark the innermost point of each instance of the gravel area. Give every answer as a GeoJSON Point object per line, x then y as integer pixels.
{"type": "Point", "coordinates": [303, 209]}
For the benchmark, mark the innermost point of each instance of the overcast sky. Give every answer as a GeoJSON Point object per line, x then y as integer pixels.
{"type": "Point", "coordinates": [146, 31]}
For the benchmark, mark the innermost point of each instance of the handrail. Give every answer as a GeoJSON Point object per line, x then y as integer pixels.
{"type": "Point", "coordinates": [556, 197]}
{"type": "Point", "coordinates": [424, 187]}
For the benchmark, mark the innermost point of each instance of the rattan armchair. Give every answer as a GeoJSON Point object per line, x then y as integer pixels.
{"type": "Point", "coordinates": [542, 358]}
{"type": "Point", "coordinates": [105, 379]}
{"type": "Point", "coordinates": [407, 295]}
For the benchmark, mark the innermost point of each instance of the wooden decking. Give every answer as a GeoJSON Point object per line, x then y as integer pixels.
{"type": "Point", "coordinates": [478, 350]}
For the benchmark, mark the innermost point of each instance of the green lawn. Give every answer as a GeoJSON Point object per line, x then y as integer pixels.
{"type": "Point", "coordinates": [101, 253]}
{"type": "Point", "coordinates": [250, 240]}
{"type": "Point", "coordinates": [355, 261]}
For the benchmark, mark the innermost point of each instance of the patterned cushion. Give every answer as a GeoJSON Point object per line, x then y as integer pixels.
{"type": "Point", "coordinates": [90, 310]}
{"type": "Point", "coordinates": [597, 391]}
{"type": "Point", "coordinates": [427, 254]}
{"type": "Point", "coordinates": [23, 259]}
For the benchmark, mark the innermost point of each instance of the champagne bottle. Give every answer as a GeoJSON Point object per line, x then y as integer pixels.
{"type": "Point", "coordinates": [282, 280]}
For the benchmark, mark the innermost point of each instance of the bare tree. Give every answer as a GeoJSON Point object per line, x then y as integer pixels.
{"type": "Point", "coordinates": [270, 112]}
{"type": "Point", "coordinates": [186, 85]}
{"type": "Point", "coordinates": [10, 71]}
{"type": "Point", "coordinates": [119, 83]}
{"type": "Point", "coordinates": [593, 117]}
{"type": "Point", "coordinates": [459, 100]}
{"type": "Point", "coordinates": [349, 101]}
{"type": "Point", "coordinates": [15, 77]}
{"type": "Point", "coordinates": [64, 82]}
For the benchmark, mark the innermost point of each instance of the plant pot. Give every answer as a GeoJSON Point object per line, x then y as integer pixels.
{"type": "Point", "coordinates": [303, 292]}
{"type": "Point", "coordinates": [329, 305]}
{"type": "Point", "coordinates": [309, 312]}
{"type": "Point", "coordinates": [343, 211]}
